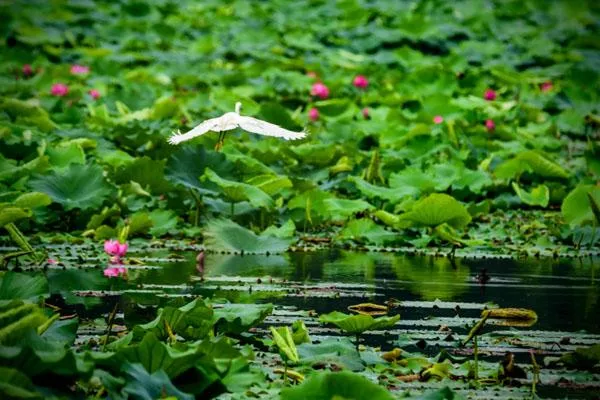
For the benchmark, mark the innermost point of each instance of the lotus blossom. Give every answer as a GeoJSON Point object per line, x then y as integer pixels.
{"type": "Point", "coordinates": [490, 125]}
{"type": "Point", "coordinates": [438, 119]}
{"type": "Point", "coordinates": [360, 81]}
{"type": "Point", "coordinates": [77, 69]}
{"type": "Point", "coordinates": [94, 93]}
{"type": "Point", "coordinates": [52, 261]}
{"type": "Point", "coordinates": [546, 86]}
{"type": "Point", "coordinates": [313, 114]}
{"type": "Point", "coordinates": [27, 70]}
{"type": "Point", "coordinates": [115, 248]}
{"type": "Point", "coordinates": [320, 90]}
{"type": "Point", "coordinates": [113, 272]}
{"type": "Point", "coordinates": [365, 113]}
{"type": "Point", "coordinates": [489, 95]}
{"type": "Point", "coordinates": [59, 89]}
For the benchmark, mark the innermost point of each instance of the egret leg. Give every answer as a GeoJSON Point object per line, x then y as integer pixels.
{"type": "Point", "coordinates": [219, 144]}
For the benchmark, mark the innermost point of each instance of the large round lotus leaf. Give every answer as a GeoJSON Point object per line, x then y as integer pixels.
{"type": "Point", "coordinates": [436, 209]}
{"type": "Point", "coordinates": [77, 186]}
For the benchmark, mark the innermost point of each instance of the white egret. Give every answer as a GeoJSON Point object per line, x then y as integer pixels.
{"type": "Point", "coordinates": [232, 120]}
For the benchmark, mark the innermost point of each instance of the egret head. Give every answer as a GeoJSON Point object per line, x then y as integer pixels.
{"type": "Point", "coordinates": [238, 107]}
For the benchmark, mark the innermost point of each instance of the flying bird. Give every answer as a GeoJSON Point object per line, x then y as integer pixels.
{"type": "Point", "coordinates": [232, 120]}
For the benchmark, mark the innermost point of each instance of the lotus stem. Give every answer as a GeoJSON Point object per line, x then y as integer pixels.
{"type": "Point", "coordinates": [111, 319]}
{"type": "Point", "coordinates": [475, 351]}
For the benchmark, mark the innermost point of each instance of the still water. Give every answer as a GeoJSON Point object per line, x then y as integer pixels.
{"type": "Point", "coordinates": [564, 293]}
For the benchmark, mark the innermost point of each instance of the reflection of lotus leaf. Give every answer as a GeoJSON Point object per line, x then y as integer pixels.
{"type": "Point", "coordinates": [437, 280]}
{"type": "Point", "coordinates": [248, 265]}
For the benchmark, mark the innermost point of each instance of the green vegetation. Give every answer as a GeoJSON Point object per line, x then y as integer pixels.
{"type": "Point", "coordinates": [436, 124]}
{"type": "Point", "coordinates": [432, 126]}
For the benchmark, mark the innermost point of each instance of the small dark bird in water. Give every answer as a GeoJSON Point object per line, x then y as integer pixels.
{"type": "Point", "coordinates": [510, 369]}
{"type": "Point", "coordinates": [482, 277]}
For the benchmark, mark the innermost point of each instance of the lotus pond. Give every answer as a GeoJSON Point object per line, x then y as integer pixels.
{"type": "Point", "coordinates": [435, 235]}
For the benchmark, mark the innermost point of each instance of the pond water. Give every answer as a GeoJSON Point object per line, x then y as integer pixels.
{"type": "Point", "coordinates": [438, 298]}
{"type": "Point", "coordinates": [564, 293]}
{"type": "Point", "coordinates": [427, 290]}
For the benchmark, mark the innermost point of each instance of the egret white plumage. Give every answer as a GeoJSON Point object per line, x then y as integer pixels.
{"type": "Point", "coordinates": [232, 120]}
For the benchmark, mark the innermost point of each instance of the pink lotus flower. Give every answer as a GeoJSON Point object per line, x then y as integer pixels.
{"type": "Point", "coordinates": [27, 70]}
{"type": "Point", "coordinates": [546, 86]}
{"type": "Point", "coordinates": [113, 272]}
{"type": "Point", "coordinates": [490, 95]}
{"type": "Point", "coordinates": [365, 113]}
{"type": "Point", "coordinates": [94, 93]}
{"type": "Point", "coordinates": [313, 114]}
{"type": "Point", "coordinates": [360, 81]}
{"type": "Point", "coordinates": [59, 89]}
{"type": "Point", "coordinates": [490, 125]}
{"type": "Point", "coordinates": [320, 90]}
{"type": "Point", "coordinates": [114, 248]}
{"type": "Point", "coordinates": [52, 261]}
{"type": "Point", "coordinates": [77, 69]}
{"type": "Point", "coordinates": [438, 119]}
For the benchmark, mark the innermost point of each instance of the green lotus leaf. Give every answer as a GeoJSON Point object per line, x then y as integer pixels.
{"type": "Point", "coordinates": [188, 164]}
{"type": "Point", "coordinates": [284, 341]}
{"type": "Point", "coordinates": [76, 186]}
{"type": "Point", "coordinates": [33, 200]}
{"type": "Point", "coordinates": [356, 324]}
{"type": "Point", "coordinates": [336, 385]}
{"type": "Point", "coordinates": [539, 196]}
{"type": "Point", "coordinates": [17, 286]}
{"type": "Point", "coordinates": [436, 209]}
{"type": "Point", "coordinates": [150, 174]}
{"type": "Point", "coordinates": [577, 208]}
{"type": "Point", "coordinates": [270, 184]}
{"type": "Point", "coordinates": [237, 192]}
{"type": "Point", "coordinates": [8, 215]}
{"type": "Point", "coordinates": [226, 235]}
{"type": "Point", "coordinates": [16, 385]}
{"type": "Point", "coordinates": [238, 318]}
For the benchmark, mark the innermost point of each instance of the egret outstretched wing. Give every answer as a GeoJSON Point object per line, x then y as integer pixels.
{"type": "Point", "coordinates": [268, 129]}
{"type": "Point", "coordinates": [212, 124]}
{"type": "Point", "coordinates": [232, 120]}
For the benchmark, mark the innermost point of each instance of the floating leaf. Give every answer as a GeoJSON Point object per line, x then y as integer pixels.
{"type": "Point", "coordinates": [356, 324]}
